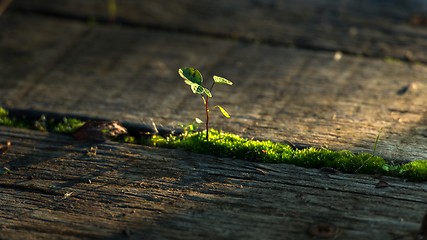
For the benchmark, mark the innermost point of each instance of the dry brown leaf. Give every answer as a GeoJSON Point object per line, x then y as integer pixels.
{"type": "Point", "coordinates": [5, 147]}
{"type": "Point", "coordinates": [99, 131]}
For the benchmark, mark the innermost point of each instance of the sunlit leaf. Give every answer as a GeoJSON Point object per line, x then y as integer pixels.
{"type": "Point", "coordinates": [197, 89]}
{"type": "Point", "coordinates": [198, 120]}
{"type": "Point", "coordinates": [222, 80]}
{"type": "Point", "coordinates": [188, 82]}
{"type": "Point", "coordinates": [191, 75]}
{"type": "Point", "coordinates": [207, 92]}
{"type": "Point", "coordinates": [225, 113]}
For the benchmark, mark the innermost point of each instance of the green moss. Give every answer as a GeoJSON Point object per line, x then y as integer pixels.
{"type": "Point", "coordinates": [129, 139]}
{"type": "Point", "coordinates": [231, 145]}
{"type": "Point", "coordinates": [67, 125]}
{"type": "Point", "coordinates": [392, 60]}
{"type": "Point", "coordinates": [5, 120]}
{"type": "Point", "coordinates": [416, 170]}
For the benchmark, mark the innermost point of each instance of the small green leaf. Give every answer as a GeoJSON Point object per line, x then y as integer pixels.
{"type": "Point", "coordinates": [198, 120]}
{"type": "Point", "coordinates": [197, 89]}
{"type": "Point", "coordinates": [225, 113]}
{"type": "Point", "coordinates": [188, 82]}
{"type": "Point", "coordinates": [207, 92]}
{"type": "Point", "coordinates": [191, 75]}
{"type": "Point", "coordinates": [222, 80]}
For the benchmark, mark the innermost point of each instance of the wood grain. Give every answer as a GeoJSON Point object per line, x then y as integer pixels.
{"type": "Point", "coordinates": [279, 93]}
{"type": "Point", "coordinates": [57, 190]}
{"type": "Point", "coordinates": [368, 28]}
{"type": "Point", "coordinates": [68, 58]}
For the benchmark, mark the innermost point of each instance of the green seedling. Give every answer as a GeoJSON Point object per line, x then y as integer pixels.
{"type": "Point", "coordinates": [194, 79]}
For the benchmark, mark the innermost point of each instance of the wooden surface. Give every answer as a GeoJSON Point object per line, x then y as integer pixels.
{"type": "Point", "coordinates": [280, 93]}
{"type": "Point", "coordinates": [370, 28]}
{"type": "Point", "coordinates": [57, 190]}
{"type": "Point", "coordinates": [66, 57]}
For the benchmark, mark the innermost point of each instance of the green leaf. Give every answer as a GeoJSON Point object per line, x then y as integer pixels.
{"type": "Point", "coordinates": [222, 80]}
{"type": "Point", "coordinates": [191, 75]}
{"type": "Point", "coordinates": [225, 113]}
{"type": "Point", "coordinates": [197, 89]}
{"type": "Point", "coordinates": [188, 82]}
{"type": "Point", "coordinates": [207, 92]}
{"type": "Point", "coordinates": [198, 120]}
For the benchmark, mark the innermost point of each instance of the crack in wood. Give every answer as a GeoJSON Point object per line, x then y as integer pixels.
{"type": "Point", "coordinates": [30, 188]}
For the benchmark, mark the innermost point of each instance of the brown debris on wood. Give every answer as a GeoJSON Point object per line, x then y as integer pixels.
{"type": "Point", "coordinates": [5, 147]}
{"type": "Point", "coordinates": [151, 190]}
{"type": "Point", "coordinates": [99, 131]}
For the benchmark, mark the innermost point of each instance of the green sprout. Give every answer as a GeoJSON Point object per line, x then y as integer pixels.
{"type": "Point", "coordinates": [194, 78]}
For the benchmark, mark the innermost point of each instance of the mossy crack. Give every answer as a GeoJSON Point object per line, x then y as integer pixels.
{"type": "Point", "coordinates": [225, 144]}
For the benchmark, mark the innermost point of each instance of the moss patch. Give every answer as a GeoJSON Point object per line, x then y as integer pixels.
{"type": "Point", "coordinates": [231, 145]}
{"type": "Point", "coordinates": [5, 120]}
{"type": "Point", "coordinates": [64, 125]}
{"type": "Point", "coordinates": [67, 125]}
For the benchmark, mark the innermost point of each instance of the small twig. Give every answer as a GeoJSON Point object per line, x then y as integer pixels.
{"type": "Point", "coordinates": [375, 150]}
{"type": "Point", "coordinates": [207, 118]}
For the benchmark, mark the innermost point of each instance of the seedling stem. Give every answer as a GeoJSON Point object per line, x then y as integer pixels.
{"type": "Point", "coordinates": [194, 78]}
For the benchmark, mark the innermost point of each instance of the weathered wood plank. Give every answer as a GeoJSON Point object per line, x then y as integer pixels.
{"type": "Point", "coordinates": [161, 193]}
{"type": "Point", "coordinates": [279, 93]}
{"type": "Point", "coordinates": [371, 28]}
{"type": "Point", "coordinates": [30, 48]}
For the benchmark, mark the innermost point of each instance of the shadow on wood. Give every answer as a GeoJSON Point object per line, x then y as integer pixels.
{"type": "Point", "coordinates": [127, 190]}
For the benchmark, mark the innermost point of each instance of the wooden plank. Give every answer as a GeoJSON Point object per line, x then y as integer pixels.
{"type": "Point", "coordinates": [57, 190]}
{"type": "Point", "coordinates": [30, 48]}
{"type": "Point", "coordinates": [296, 95]}
{"type": "Point", "coordinates": [370, 28]}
